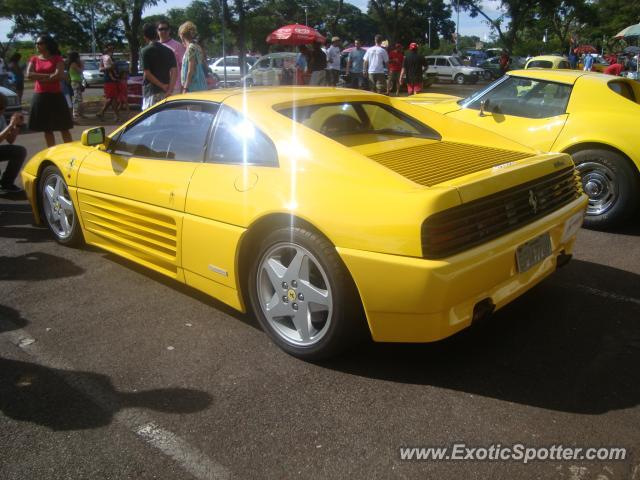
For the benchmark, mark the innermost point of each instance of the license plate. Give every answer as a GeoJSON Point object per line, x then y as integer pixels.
{"type": "Point", "coordinates": [533, 252]}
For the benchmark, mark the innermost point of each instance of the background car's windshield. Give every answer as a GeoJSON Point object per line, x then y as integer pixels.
{"type": "Point", "coordinates": [540, 64]}
{"type": "Point", "coordinates": [90, 65]}
{"type": "Point", "coordinates": [358, 118]}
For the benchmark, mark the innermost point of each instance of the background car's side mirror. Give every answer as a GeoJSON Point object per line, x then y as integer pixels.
{"type": "Point", "coordinates": [93, 136]}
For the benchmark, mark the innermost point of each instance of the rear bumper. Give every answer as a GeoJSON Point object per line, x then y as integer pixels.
{"type": "Point", "coordinates": [416, 300]}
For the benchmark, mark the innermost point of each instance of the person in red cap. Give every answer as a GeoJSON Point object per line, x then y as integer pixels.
{"type": "Point", "coordinates": [396, 57]}
{"type": "Point", "coordinates": [413, 69]}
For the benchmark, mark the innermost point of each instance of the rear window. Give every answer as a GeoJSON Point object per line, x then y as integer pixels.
{"type": "Point", "coordinates": [623, 89]}
{"type": "Point", "coordinates": [349, 119]}
{"type": "Point", "coordinates": [540, 64]}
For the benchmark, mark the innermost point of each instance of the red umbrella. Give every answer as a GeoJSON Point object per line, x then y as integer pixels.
{"type": "Point", "coordinates": [295, 35]}
{"type": "Point", "coordinates": [582, 49]}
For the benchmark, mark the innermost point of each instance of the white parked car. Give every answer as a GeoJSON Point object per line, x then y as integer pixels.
{"type": "Point", "coordinates": [450, 68]}
{"type": "Point", "coordinates": [233, 69]}
{"type": "Point", "coordinates": [272, 69]}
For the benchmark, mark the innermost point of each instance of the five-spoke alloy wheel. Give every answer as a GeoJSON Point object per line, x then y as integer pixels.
{"type": "Point", "coordinates": [58, 209]}
{"type": "Point", "coordinates": [303, 295]}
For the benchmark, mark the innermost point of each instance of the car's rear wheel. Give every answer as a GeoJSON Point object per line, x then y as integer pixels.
{"type": "Point", "coordinates": [612, 185]}
{"type": "Point", "coordinates": [303, 296]}
{"type": "Point", "coordinates": [459, 79]}
{"type": "Point", "coordinates": [487, 75]}
{"type": "Point", "coordinates": [57, 207]}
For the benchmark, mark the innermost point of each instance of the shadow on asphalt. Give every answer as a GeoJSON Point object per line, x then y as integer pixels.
{"type": "Point", "coordinates": [16, 221]}
{"type": "Point", "coordinates": [561, 347]}
{"type": "Point", "coordinates": [54, 398]}
{"type": "Point", "coordinates": [36, 266]}
{"type": "Point", "coordinates": [74, 400]}
{"type": "Point", "coordinates": [11, 319]}
{"type": "Point", "coordinates": [247, 319]}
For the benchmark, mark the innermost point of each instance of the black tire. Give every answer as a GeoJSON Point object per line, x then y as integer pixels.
{"type": "Point", "coordinates": [613, 185]}
{"type": "Point", "coordinates": [459, 79]}
{"type": "Point", "coordinates": [74, 237]}
{"type": "Point", "coordinates": [347, 325]}
{"type": "Point", "coordinates": [487, 75]}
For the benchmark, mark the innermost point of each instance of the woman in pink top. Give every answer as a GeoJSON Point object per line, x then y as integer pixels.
{"type": "Point", "coordinates": [49, 110]}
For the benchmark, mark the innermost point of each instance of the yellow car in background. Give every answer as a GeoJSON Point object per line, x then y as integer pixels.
{"type": "Point", "coordinates": [592, 116]}
{"type": "Point", "coordinates": [548, 61]}
{"type": "Point", "coordinates": [328, 213]}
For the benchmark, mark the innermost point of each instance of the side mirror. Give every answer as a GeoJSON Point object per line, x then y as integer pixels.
{"type": "Point", "coordinates": [484, 105]}
{"type": "Point", "coordinates": [93, 136]}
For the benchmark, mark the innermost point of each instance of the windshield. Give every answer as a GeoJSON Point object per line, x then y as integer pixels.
{"type": "Point", "coordinates": [90, 65]}
{"type": "Point", "coordinates": [524, 97]}
{"type": "Point", "coordinates": [455, 61]}
{"type": "Point", "coordinates": [481, 92]}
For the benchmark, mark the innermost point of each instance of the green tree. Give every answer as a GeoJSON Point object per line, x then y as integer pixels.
{"type": "Point", "coordinates": [407, 20]}
{"type": "Point", "coordinates": [508, 25]}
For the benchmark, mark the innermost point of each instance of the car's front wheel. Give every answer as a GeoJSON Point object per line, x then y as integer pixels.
{"type": "Point", "coordinates": [459, 79]}
{"type": "Point", "coordinates": [303, 296]}
{"type": "Point", "coordinates": [57, 207]}
{"type": "Point", "coordinates": [612, 185]}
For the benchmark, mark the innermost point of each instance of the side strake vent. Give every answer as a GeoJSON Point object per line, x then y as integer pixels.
{"type": "Point", "coordinates": [441, 161]}
{"type": "Point", "coordinates": [147, 235]}
{"type": "Point", "coordinates": [468, 225]}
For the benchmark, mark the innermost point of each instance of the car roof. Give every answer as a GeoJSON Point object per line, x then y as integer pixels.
{"type": "Point", "coordinates": [551, 58]}
{"type": "Point", "coordinates": [558, 75]}
{"type": "Point", "coordinates": [266, 97]}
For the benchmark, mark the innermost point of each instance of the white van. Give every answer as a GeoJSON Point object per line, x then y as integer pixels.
{"type": "Point", "coordinates": [450, 68]}
{"type": "Point", "coordinates": [272, 69]}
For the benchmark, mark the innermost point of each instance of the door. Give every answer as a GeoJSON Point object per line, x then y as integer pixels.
{"type": "Point", "coordinates": [532, 112]}
{"type": "Point", "coordinates": [444, 69]}
{"type": "Point", "coordinates": [132, 196]}
{"type": "Point", "coordinates": [228, 190]}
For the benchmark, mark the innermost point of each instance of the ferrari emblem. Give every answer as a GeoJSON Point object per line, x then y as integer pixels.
{"type": "Point", "coordinates": [533, 201]}
{"type": "Point", "coordinates": [291, 294]}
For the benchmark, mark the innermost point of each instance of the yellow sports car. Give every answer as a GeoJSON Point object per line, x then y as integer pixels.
{"type": "Point", "coordinates": [589, 115]}
{"type": "Point", "coordinates": [329, 213]}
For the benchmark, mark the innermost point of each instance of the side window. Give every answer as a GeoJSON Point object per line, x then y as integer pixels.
{"type": "Point", "coordinates": [523, 97]}
{"type": "Point", "coordinates": [278, 62]}
{"type": "Point", "coordinates": [623, 89]}
{"type": "Point", "coordinates": [232, 62]}
{"type": "Point", "coordinates": [431, 62]}
{"type": "Point", "coordinates": [442, 62]}
{"type": "Point", "coordinates": [237, 141]}
{"type": "Point", "coordinates": [264, 63]}
{"type": "Point", "coordinates": [175, 131]}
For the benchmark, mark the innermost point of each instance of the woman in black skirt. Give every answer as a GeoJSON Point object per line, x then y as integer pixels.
{"type": "Point", "coordinates": [49, 109]}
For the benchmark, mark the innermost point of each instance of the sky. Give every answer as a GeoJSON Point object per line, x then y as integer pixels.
{"type": "Point", "coordinates": [468, 25]}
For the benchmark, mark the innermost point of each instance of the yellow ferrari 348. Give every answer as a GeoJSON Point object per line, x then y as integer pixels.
{"type": "Point", "coordinates": [329, 213]}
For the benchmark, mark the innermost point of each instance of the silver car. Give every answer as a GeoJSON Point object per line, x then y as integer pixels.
{"type": "Point", "coordinates": [232, 66]}
{"type": "Point", "coordinates": [92, 76]}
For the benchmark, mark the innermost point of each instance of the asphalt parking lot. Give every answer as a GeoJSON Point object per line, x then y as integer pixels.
{"type": "Point", "coordinates": [108, 370]}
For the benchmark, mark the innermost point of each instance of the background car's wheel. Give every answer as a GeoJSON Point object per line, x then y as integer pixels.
{"type": "Point", "coordinates": [487, 75]}
{"type": "Point", "coordinates": [248, 83]}
{"type": "Point", "coordinates": [303, 295]}
{"type": "Point", "coordinates": [216, 77]}
{"type": "Point", "coordinates": [612, 184]}
{"type": "Point", "coordinates": [459, 79]}
{"type": "Point", "coordinates": [57, 208]}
